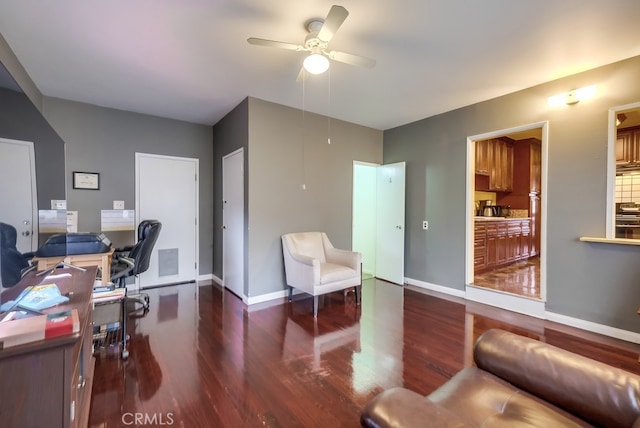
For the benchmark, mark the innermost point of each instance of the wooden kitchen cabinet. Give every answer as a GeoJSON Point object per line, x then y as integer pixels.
{"type": "Point", "coordinates": [499, 243]}
{"type": "Point", "coordinates": [494, 158]}
{"type": "Point", "coordinates": [480, 246]}
{"type": "Point", "coordinates": [482, 157]}
{"type": "Point", "coordinates": [535, 166]}
{"type": "Point", "coordinates": [628, 146]}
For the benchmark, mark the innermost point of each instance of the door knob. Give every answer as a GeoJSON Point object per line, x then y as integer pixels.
{"type": "Point", "coordinates": [399, 227]}
{"type": "Point", "coordinates": [26, 233]}
{"type": "Point", "coordinates": [223, 227]}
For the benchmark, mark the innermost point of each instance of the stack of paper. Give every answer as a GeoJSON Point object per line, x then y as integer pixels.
{"type": "Point", "coordinates": [108, 296]}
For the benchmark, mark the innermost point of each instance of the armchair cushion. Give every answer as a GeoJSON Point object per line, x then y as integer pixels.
{"type": "Point", "coordinates": [331, 272]}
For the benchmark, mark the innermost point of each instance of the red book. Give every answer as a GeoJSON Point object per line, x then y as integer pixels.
{"type": "Point", "coordinates": [61, 323]}
{"type": "Point", "coordinates": [14, 332]}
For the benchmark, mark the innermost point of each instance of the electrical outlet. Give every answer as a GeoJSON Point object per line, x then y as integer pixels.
{"type": "Point", "coordinates": [118, 205]}
{"type": "Point", "coordinates": [425, 225]}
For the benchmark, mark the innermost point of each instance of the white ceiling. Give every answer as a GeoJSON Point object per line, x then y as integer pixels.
{"type": "Point", "coordinates": [189, 59]}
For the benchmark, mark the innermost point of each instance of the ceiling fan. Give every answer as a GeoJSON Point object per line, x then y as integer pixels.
{"type": "Point", "coordinates": [316, 43]}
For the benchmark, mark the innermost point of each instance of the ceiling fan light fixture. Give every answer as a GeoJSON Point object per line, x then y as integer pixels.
{"type": "Point", "coordinates": [316, 63]}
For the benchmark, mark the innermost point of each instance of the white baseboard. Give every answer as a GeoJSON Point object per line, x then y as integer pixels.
{"type": "Point", "coordinates": [629, 336]}
{"type": "Point", "coordinates": [536, 309]}
{"type": "Point", "coordinates": [510, 302]}
{"type": "Point", "coordinates": [206, 277]}
{"type": "Point", "coordinates": [216, 280]}
{"type": "Point", "coordinates": [269, 296]}
{"type": "Point", "coordinates": [435, 287]}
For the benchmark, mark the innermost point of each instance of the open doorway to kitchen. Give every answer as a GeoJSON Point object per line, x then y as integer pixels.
{"type": "Point", "coordinates": [505, 246]}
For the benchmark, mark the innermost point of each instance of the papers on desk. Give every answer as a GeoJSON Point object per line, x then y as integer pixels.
{"type": "Point", "coordinates": [109, 296]}
{"type": "Point", "coordinates": [36, 298]}
{"type": "Point", "coordinates": [42, 297]}
{"type": "Point", "coordinates": [117, 220]}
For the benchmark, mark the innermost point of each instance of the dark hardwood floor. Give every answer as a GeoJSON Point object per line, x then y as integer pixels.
{"type": "Point", "coordinates": [521, 278]}
{"type": "Point", "coordinates": [200, 358]}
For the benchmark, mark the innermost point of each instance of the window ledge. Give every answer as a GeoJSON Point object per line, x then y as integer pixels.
{"type": "Point", "coordinates": [620, 241]}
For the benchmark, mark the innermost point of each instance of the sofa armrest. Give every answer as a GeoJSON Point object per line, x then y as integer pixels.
{"type": "Point", "coordinates": [400, 407]}
{"type": "Point", "coordinates": [593, 391]}
{"type": "Point", "coordinates": [301, 258]}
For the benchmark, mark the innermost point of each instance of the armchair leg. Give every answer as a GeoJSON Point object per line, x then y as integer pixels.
{"type": "Point", "coordinates": [290, 292]}
{"type": "Point", "coordinates": [358, 292]}
{"type": "Point", "coordinates": [315, 306]}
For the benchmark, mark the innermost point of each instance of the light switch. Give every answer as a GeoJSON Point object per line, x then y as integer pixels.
{"type": "Point", "coordinates": [58, 204]}
{"type": "Point", "coordinates": [118, 205]}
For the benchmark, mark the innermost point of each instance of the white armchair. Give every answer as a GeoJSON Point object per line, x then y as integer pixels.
{"type": "Point", "coordinates": [313, 265]}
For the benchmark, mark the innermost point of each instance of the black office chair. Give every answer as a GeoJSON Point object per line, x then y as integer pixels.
{"type": "Point", "coordinates": [13, 264]}
{"type": "Point", "coordinates": [132, 261]}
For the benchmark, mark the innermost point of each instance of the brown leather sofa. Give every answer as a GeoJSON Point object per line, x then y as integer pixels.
{"type": "Point", "coordinates": [517, 382]}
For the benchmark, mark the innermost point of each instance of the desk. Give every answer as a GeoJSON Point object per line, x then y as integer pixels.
{"type": "Point", "coordinates": [47, 383]}
{"type": "Point", "coordinates": [102, 260]}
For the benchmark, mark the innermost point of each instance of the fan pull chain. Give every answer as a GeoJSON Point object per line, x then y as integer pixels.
{"type": "Point", "coordinates": [329, 110]}
{"type": "Point", "coordinates": [303, 186]}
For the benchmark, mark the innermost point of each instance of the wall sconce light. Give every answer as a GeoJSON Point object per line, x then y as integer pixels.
{"type": "Point", "coordinates": [572, 97]}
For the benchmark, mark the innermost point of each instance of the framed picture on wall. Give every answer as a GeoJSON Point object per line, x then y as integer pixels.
{"type": "Point", "coordinates": [86, 180]}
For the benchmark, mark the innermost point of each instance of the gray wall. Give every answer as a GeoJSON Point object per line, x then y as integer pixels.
{"type": "Point", "coordinates": [105, 140]}
{"type": "Point", "coordinates": [594, 282]}
{"type": "Point", "coordinates": [20, 120]}
{"type": "Point", "coordinates": [284, 152]}
{"type": "Point", "coordinates": [229, 134]}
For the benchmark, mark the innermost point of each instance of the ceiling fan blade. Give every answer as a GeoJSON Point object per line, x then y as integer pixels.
{"type": "Point", "coordinates": [352, 59]}
{"type": "Point", "coordinates": [334, 20]}
{"type": "Point", "coordinates": [274, 44]}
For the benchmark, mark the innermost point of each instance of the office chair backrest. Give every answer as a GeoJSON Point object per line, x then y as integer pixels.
{"type": "Point", "coordinates": [11, 260]}
{"type": "Point", "coordinates": [148, 231]}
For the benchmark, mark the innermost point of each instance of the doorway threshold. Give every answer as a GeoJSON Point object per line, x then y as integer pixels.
{"type": "Point", "coordinates": [509, 301]}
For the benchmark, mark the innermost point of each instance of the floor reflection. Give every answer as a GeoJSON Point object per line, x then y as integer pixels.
{"type": "Point", "coordinates": [521, 278]}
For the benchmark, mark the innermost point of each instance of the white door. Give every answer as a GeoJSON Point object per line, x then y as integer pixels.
{"type": "Point", "coordinates": [167, 190]}
{"type": "Point", "coordinates": [233, 222]}
{"type": "Point", "coordinates": [390, 222]}
{"type": "Point", "coordinates": [18, 191]}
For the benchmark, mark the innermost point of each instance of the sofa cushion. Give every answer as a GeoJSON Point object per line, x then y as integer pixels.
{"type": "Point", "coordinates": [482, 399]}
{"type": "Point", "coordinates": [330, 272]}
{"type": "Point", "coordinates": [400, 407]}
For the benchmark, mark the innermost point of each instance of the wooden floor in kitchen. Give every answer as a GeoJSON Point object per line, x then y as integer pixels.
{"type": "Point", "coordinates": [521, 278]}
{"type": "Point", "coordinates": [201, 358]}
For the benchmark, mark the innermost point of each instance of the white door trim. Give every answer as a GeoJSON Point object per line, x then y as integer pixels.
{"type": "Point", "coordinates": [471, 152]}
{"type": "Point", "coordinates": [225, 248]}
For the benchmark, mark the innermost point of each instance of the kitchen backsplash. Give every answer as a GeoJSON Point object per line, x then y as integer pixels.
{"type": "Point", "coordinates": [628, 188]}
{"type": "Point", "coordinates": [519, 213]}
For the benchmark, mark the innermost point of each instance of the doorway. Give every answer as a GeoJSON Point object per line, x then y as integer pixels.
{"type": "Point", "coordinates": [378, 219]}
{"type": "Point", "coordinates": [506, 218]}
{"type": "Point", "coordinates": [167, 190]}
{"type": "Point", "coordinates": [233, 222]}
{"type": "Point", "coordinates": [18, 191]}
